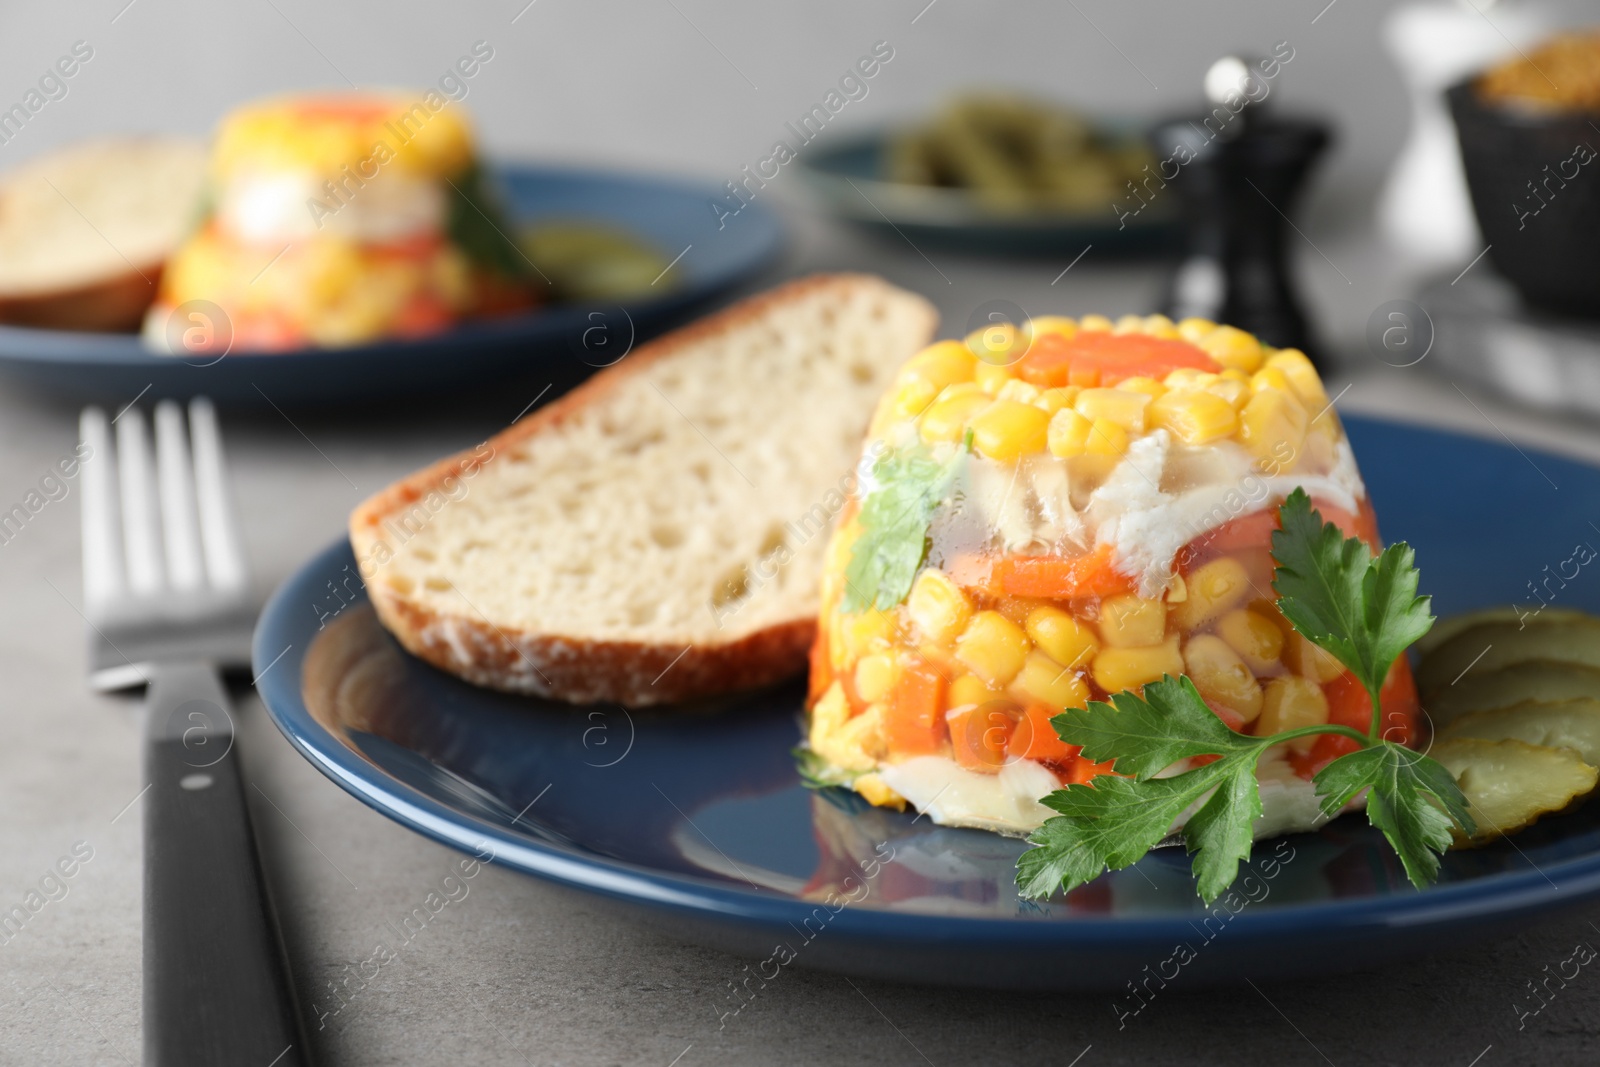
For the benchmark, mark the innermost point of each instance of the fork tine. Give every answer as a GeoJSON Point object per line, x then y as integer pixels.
{"type": "Point", "coordinates": [102, 538]}
{"type": "Point", "coordinates": [141, 536]}
{"type": "Point", "coordinates": [223, 552]}
{"type": "Point", "coordinates": [185, 566]}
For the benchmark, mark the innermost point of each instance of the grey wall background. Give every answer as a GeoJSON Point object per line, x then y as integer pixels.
{"type": "Point", "coordinates": [697, 87]}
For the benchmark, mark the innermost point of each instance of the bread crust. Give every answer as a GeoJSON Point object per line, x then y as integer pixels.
{"type": "Point", "coordinates": [585, 670]}
{"type": "Point", "coordinates": [113, 305]}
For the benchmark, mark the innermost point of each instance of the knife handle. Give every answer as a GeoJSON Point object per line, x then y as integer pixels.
{"type": "Point", "coordinates": [216, 990]}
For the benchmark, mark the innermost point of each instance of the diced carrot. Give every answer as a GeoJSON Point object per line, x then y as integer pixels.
{"type": "Point", "coordinates": [821, 669]}
{"type": "Point", "coordinates": [1062, 577]}
{"type": "Point", "coordinates": [914, 723]}
{"type": "Point", "coordinates": [1035, 739]}
{"type": "Point", "coordinates": [1083, 770]}
{"type": "Point", "coordinates": [979, 735]}
{"type": "Point", "coordinates": [1097, 358]}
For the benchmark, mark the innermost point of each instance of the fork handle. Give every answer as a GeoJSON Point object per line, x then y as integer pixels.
{"type": "Point", "coordinates": [216, 990]}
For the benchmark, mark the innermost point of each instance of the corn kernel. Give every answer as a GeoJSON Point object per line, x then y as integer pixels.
{"type": "Point", "coordinates": [1128, 324]}
{"type": "Point", "coordinates": [1116, 669]}
{"type": "Point", "coordinates": [1048, 682]}
{"type": "Point", "coordinates": [1234, 374]}
{"type": "Point", "coordinates": [1160, 326]}
{"type": "Point", "coordinates": [1124, 407]}
{"type": "Point", "coordinates": [1106, 438]}
{"type": "Point", "coordinates": [1056, 324]}
{"type": "Point", "coordinates": [1020, 391]}
{"type": "Point", "coordinates": [1130, 621]}
{"type": "Point", "coordinates": [969, 690]}
{"type": "Point", "coordinates": [1177, 589]}
{"type": "Point", "coordinates": [830, 717]}
{"type": "Point", "coordinates": [950, 392]}
{"type": "Point", "coordinates": [1290, 703]}
{"type": "Point", "coordinates": [1094, 324]}
{"type": "Point", "coordinates": [1018, 608]}
{"type": "Point", "coordinates": [912, 399]}
{"type": "Point", "coordinates": [877, 792]}
{"type": "Point", "coordinates": [1053, 400]}
{"type": "Point", "coordinates": [1008, 429]}
{"type": "Point", "coordinates": [1187, 378]}
{"type": "Point", "coordinates": [860, 741]}
{"type": "Point", "coordinates": [1232, 347]}
{"type": "Point", "coordinates": [1062, 637]}
{"type": "Point", "coordinates": [1272, 428]}
{"type": "Point", "coordinates": [1194, 417]}
{"type": "Point", "coordinates": [947, 420]}
{"type": "Point", "coordinates": [993, 647]}
{"type": "Point", "coordinates": [1141, 384]}
{"type": "Point", "coordinates": [998, 343]}
{"type": "Point", "coordinates": [1271, 378]}
{"type": "Point", "coordinates": [1068, 434]}
{"type": "Point", "coordinates": [1193, 329]}
{"type": "Point", "coordinates": [1221, 676]}
{"type": "Point", "coordinates": [938, 606]}
{"type": "Point", "coordinates": [992, 377]}
{"type": "Point", "coordinates": [1310, 660]}
{"type": "Point", "coordinates": [940, 365]}
{"type": "Point", "coordinates": [1236, 393]}
{"type": "Point", "coordinates": [866, 632]}
{"type": "Point", "coordinates": [1213, 588]}
{"type": "Point", "coordinates": [1256, 638]}
{"type": "Point", "coordinates": [1303, 377]}
{"type": "Point", "coordinates": [875, 676]}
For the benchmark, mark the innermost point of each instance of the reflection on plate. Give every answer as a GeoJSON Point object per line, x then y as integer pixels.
{"type": "Point", "coordinates": [849, 177]}
{"type": "Point", "coordinates": [662, 214]}
{"type": "Point", "coordinates": [695, 817]}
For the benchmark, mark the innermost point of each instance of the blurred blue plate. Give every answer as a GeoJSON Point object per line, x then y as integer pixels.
{"type": "Point", "coordinates": [848, 178]}
{"type": "Point", "coordinates": [673, 216]}
{"type": "Point", "coordinates": [696, 818]}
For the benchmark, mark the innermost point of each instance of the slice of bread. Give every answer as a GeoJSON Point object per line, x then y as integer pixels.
{"type": "Point", "coordinates": [84, 231]}
{"type": "Point", "coordinates": [657, 534]}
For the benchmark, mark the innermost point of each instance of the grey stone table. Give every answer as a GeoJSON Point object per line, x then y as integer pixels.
{"type": "Point", "coordinates": [518, 972]}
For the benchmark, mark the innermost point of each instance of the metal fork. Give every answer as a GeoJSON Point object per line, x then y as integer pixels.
{"type": "Point", "coordinates": [167, 597]}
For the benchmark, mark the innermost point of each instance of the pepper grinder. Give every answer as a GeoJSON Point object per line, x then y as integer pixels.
{"type": "Point", "coordinates": [1238, 172]}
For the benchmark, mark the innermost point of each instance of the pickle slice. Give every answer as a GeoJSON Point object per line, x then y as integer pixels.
{"type": "Point", "coordinates": [1531, 614]}
{"type": "Point", "coordinates": [1510, 784]}
{"type": "Point", "coordinates": [1573, 724]}
{"type": "Point", "coordinates": [1524, 683]}
{"type": "Point", "coordinates": [1494, 646]}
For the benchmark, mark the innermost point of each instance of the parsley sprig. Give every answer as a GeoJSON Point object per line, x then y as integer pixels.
{"type": "Point", "coordinates": [1361, 608]}
{"type": "Point", "coordinates": [908, 486]}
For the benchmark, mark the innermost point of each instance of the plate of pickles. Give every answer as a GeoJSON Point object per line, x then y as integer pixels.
{"type": "Point", "coordinates": [1000, 173]}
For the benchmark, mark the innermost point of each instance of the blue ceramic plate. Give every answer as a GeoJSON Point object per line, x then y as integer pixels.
{"type": "Point", "coordinates": [697, 819]}
{"type": "Point", "coordinates": [848, 177]}
{"type": "Point", "coordinates": [672, 216]}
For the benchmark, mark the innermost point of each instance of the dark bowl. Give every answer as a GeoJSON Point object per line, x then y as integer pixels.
{"type": "Point", "coordinates": [1535, 184]}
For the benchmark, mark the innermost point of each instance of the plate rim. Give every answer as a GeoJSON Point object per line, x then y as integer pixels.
{"type": "Point", "coordinates": [1501, 896]}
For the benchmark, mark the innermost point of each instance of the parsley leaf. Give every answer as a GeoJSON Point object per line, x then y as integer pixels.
{"type": "Point", "coordinates": [908, 485]}
{"type": "Point", "coordinates": [1114, 822]}
{"type": "Point", "coordinates": [1363, 609]}
{"type": "Point", "coordinates": [1148, 734]}
{"type": "Point", "coordinates": [1412, 799]}
{"type": "Point", "coordinates": [816, 772]}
